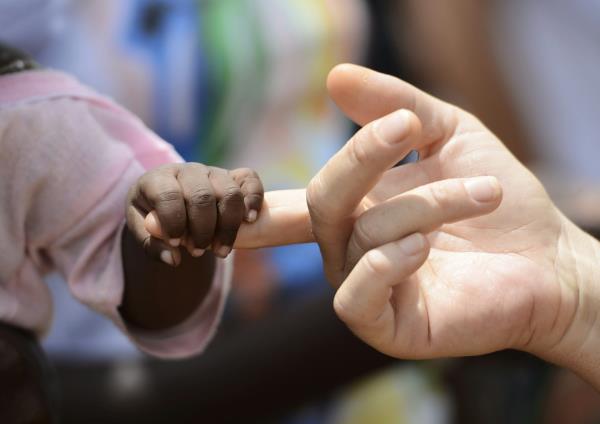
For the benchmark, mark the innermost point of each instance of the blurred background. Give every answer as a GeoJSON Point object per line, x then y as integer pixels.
{"type": "Point", "coordinates": [242, 83]}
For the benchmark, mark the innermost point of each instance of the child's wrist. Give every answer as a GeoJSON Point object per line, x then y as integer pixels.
{"type": "Point", "coordinates": [157, 296]}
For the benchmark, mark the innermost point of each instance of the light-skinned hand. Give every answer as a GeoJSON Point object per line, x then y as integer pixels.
{"type": "Point", "coordinates": [461, 253]}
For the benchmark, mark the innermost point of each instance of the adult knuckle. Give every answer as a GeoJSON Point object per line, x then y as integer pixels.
{"type": "Point", "coordinates": [357, 152]}
{"type": "Point", "coordinates": [441, 195]}
{"type": "Point", "coordinates": [377, 265]}
{"type": "Point", "coordinates": [319, 208]}
{"type": "Point", "coordinates": [362, 235]}
{"type": "Point", "coordinates": [313, 193]}
{"type": "Point", "coordinates": [342, 309]}
{"type": "Point", "coordinates": [347, 309]}
{"type": "Point", "coordinates": [449, 198]}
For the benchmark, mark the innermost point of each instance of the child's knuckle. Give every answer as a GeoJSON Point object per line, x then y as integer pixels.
{"type": "Point", "coordinates": [169, 196]}
{"type": "Point", "coordinates": [232, 194]}
{"type": "Point", "coordinates": [201, 198]}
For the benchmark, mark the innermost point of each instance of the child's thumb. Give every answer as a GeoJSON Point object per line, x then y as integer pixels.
{"type": "Point", "coordinates": [152, 225]}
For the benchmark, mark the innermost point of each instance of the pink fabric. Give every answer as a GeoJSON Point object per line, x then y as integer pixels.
{"type": "Point", "coordinates": [67, 159]}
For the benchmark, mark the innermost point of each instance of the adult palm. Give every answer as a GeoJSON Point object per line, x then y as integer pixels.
{"type": "Point", "coordinates": [498, 280]}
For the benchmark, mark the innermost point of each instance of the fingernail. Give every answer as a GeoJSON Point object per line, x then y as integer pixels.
{"type": "Point", "coordinates": [412, 244]}
{"type": "Point", "coordinates": [223, 251]}
{"type": "Point", "coordinates": [196, 253]}
{"type": "Point", "coordinates": [483, 189]}
{"type": "Point", "coordinates": [167, 257]}
{"type": "Point", "coordinates": [252, 214]}
{"type": "Point", "coordinates": [393, 128]}
{"type": "Point", "coordinates": [175, 242]}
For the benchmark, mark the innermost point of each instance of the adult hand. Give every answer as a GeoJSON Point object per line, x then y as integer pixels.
{"type": "Point", "coordinates": [519, 277]}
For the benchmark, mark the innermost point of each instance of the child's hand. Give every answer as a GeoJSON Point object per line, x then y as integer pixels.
{"type": "Point", "coordinates": [198, 207]}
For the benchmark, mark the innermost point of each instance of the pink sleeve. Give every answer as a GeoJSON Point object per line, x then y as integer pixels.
{"type": "Point", "coordinates": [74, 175]}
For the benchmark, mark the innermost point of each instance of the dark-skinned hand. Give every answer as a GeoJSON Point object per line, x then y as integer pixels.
{"type": "Point", "coordinates": [199, 207]}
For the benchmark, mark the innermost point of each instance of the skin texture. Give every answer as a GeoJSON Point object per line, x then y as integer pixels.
{"type": "Point", "coordinates": [156, 295]}
{"type": "Point", "coordinates": [190, 208]}
{"type": "Point", "coordinates": [198, 207]}
{"type": "Point", "coordinates": [283, 220]}
{"type": "Point", "coordinates": [419, 273]}
{"type": "Point", "coordinates": [462, 253]}
{"type": "Point", "coordinates": [431, 259]}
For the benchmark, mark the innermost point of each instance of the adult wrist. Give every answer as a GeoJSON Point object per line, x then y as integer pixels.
{"type": "Point", "coordinates": [576, 343]}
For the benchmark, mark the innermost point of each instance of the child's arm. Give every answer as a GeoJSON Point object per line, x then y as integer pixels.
{"type": "Point", "coordinates": [67, 165]}
{"type": "Point", "coordinates": [64, 176]}
{"type": "Point", "coordinates": [157, 296]}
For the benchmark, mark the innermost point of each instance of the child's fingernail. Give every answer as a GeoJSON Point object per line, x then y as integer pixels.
{"type": "Point", "coordinates": [175, 242]}
{"type": "Point", "coordinates": [196, 253]}
{"type": "Point", "coordinates": [393, 128]}
{"type": "Point", "coordinates": [223, 251]}
{"type": "Point", "coordinates": [252, 214]}
{"type": "Point", "coordinates": [167, 257]}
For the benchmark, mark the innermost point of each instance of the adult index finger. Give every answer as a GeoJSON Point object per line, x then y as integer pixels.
{"type": "Point", "coordinates": [335, 192]}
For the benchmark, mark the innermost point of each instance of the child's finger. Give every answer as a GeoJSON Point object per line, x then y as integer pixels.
{"type": "Point", "coordinates": [230, 211]}
{"type": "Point", "coordinates": [190, 246]}
{"type": "Point", "coordinates": [201, 205]}
{"type": "Point", "coordinates": [152, 225]}
{"type": "Point", "coordinates": [252, 190]}
{"type": "Point", "coordinates": [164, 195]}
{"type": "Point", "coordinates": [154, 247]}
